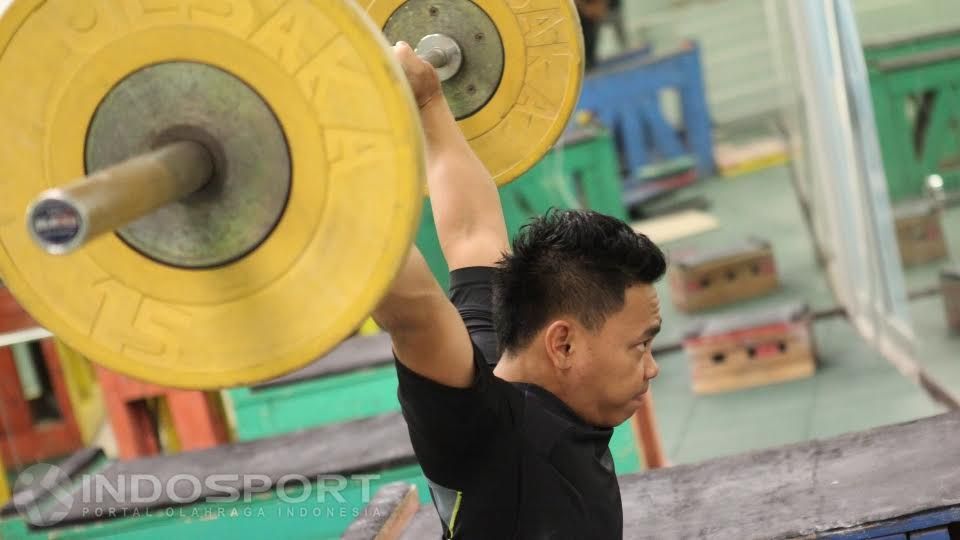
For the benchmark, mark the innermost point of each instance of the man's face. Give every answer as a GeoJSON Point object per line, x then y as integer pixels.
{"type": "Point", "coordinates": [614, 364]}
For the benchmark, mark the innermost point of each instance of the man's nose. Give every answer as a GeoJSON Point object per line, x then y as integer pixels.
{"type": "Point", "coordinates": [653, 369]}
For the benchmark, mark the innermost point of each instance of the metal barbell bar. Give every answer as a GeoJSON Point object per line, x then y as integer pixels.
{"type": "Point", "coordinates": [63, 219]}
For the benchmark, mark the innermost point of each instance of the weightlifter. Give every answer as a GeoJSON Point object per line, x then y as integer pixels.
{"type": "Point", "coordinates": [512, 385]}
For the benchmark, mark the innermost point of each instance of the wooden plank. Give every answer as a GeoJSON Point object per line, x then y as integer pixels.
{"type": "Point", "coordinates": [74, 466]}
{"type": "Point", "coordinates": [675, 226]}
{"type": "Point", "coordinates": [353, 354]}
{"type": "Point", "coordinates": [387, 515]}
{"type": "Point", "coordinates": [372, 444]}
{"type": "Point", "coordinates": [425, 524]}
{"type": "Point", "coordinates": [803, 489]}
{"type": "Point", "coordinates": [21, 336]}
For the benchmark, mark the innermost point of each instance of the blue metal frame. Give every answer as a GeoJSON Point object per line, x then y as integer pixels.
{"type": "Point", "coordinates": [625, 96]}
{"type": "Point", "coordinates": [919, 525]}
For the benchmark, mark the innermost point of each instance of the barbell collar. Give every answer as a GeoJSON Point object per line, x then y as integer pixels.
{"type": "Point", "coordinates": [443, 53]}
{"type": "Point", "coordinates": [63, 219]}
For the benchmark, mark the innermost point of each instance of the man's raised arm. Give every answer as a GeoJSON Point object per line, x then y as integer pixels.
{"type": "Point", "coordinates": [464, 198]}
{"type": "Point", "coordinates": [428, 335]}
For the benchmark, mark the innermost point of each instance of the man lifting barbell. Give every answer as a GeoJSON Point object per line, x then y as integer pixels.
{"type": "Point", "coordinates": [216, 197]}
{"type": "Point", "coordinates": [512, 387]}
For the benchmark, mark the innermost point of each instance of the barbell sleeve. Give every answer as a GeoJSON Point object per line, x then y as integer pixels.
{"type": "Point", "coordinates": [443, 53]}
{"type": "Point", "coordinates": [64, 218]}
{"type": "Point", "coordinates": [435, 56]}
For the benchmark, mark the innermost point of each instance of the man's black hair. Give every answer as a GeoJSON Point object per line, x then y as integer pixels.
{"type": "Point", "coordinates": [569, 262]}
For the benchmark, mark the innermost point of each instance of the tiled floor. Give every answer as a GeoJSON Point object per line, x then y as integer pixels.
{"type": "Point", "coordinates": [854, 388]}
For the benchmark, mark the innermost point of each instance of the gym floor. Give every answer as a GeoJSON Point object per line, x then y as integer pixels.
{"type": "Point", "coordinates": [854, 388]}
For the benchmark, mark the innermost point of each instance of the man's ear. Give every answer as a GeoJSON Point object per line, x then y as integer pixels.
{"type": "Point", "coordinates": [558, 341]}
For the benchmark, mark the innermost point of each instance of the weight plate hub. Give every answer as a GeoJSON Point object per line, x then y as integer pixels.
{"type": "Point", "coordinates": [471, 28]}
{"type": "Point", "coordinates": [355, 150]}
{"type": "Point", "coordinates": [241, 204]}
{"type": "Point", "coordinates": [535, 91]}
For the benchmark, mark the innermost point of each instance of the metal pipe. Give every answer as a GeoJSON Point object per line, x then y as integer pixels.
{"type": "Point", "coordinates": [63, 219]}
{"type": "Point", "coordinates": [648, 435]}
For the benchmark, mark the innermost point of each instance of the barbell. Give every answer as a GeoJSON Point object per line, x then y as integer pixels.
{"type": "Point", "coordinates": [218, 192]}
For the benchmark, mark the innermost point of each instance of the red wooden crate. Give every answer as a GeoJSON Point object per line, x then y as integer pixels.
{"type": "Point", "coordinates": [36, 440]}
{"type": "Point", "coordinates": [196, 418]}
{"type": "Point", "coordinates": [12, 316]}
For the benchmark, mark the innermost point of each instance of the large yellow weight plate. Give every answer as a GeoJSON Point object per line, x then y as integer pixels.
{"type": "Point", "coordinates": [356, 150]}
{"type": "Point", "coordinates": [542, 78]}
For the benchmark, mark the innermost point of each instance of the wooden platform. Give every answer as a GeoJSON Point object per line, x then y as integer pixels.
{"type": "Point", "coordinates": [751, 348]}
{"type": "Point", "coordinates": [919, 233]}
{"type": "Point", "coordinates": [880, 483]}
{"type": "Point", "coordinates": [703, 279]}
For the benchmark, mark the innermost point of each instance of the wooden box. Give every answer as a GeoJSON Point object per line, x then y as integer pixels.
{"type": "Point", "coordinates": [12, 316]}
{"type": "Point", "coordinates": [196, 419]}
{"type": "Point", "coordinates": [710, 278]}
{"type": "Point", "coordinates": [38, 427]}
{"type": "Point", "coordinates": [919, 233]}
{"type": "Point", "coordinates": [950, 285]}
{"type": "Point", "coordinates": [751, 349]}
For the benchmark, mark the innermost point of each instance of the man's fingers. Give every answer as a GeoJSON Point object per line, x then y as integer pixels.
{"type": "Point", "coordinates": [409, 59]}
{"type": "Point", "coordinates": [420, 74]}
{"type": "Point", "coordinates": [406, 55]}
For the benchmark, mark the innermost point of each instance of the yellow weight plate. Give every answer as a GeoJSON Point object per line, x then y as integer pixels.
{"type": "Point", "coordinates": [4, 487]}
{"type": "Point", "coordinates": [355, 146]}
{"type": "Point", "coordinates": [540, 85]}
